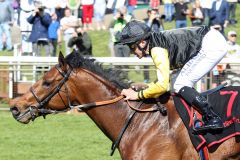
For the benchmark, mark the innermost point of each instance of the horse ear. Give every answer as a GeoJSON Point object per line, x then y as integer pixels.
{"type": "Point", "coordinates": [61, 61]}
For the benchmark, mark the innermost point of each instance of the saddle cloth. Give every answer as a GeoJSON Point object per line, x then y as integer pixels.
{"type": "Point", "coordinates": [226, 103]}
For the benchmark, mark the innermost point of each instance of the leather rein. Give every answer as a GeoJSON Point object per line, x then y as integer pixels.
{"type": "Point", "coordinates": [102, 103]}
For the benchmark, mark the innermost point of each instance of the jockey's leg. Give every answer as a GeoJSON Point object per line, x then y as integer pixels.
{"type": "Point", "coordinates": [211, 121]}
{"type": "Point", "coordinates": [214, 48]}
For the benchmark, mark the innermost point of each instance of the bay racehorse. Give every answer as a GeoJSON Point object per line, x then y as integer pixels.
{"type": "Point", "coordinates": [149, 136]}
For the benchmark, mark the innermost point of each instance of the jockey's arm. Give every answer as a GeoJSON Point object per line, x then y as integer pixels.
{"type": "Point", "coordinates": [162, 85]}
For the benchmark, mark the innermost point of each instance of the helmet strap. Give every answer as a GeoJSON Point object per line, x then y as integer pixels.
{"type": "Point", "coordinates": [143, 49]}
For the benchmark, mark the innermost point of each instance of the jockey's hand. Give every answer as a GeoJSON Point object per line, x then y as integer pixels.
{"type": "Point", "coordinates": [129, 94]}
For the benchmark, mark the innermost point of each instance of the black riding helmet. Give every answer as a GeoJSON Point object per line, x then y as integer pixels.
{"type": "Point", "coordinates": [134, 31]}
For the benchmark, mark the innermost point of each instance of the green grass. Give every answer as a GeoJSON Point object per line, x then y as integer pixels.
{"type": "Point", "coordinates": [59, 137]}
{"type": "Point", "coordinates": [100, 41]}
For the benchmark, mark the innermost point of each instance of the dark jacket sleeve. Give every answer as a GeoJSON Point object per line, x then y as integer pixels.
{"type": "Point", "coordinates": [86, 41]}
{"type": "Point", "coordinates": [46, 19]}
{"type": "Point", "coordinates": [212, 13]}
{"type": "Point", "coordinates": [227, 11]}
{"type": "Point", "coordinates": [30, 19]}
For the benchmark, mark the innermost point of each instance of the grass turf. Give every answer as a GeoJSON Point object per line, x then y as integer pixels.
{"type": "Point", "coordinates": [59, 137]}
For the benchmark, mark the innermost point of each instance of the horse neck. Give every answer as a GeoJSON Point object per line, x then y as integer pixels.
{"type": "Point", "coordinates": [109, 118]}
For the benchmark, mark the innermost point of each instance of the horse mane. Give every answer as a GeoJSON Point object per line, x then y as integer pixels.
{"type": "Point", "coordinates": [116, 77]}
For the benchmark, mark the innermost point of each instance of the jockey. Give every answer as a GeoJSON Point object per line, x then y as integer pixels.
{"type": "Point", "coordinates": [195, 51]}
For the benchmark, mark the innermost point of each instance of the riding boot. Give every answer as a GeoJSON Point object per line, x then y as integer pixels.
{"type": "Point", "coordinates": [211, 121]}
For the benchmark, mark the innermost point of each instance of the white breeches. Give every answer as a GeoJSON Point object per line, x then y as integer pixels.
{"type": "Point", "coordinates": [214, 48]}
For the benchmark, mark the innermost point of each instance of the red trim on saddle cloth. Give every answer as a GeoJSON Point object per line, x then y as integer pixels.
{"type": "Point", "coordinates": [224, 139]}
{"type": "Point", "coordinates": [205, 153]}
{"type": "Point", "coordinates": [201, 144]}
{"type": "Point", "coordinates": [199, 116]}
{"type": "Point", "coordinates": [190, 114]}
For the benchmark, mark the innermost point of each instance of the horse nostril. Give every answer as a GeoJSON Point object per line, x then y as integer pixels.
{"type": "Point", "coordinates": [15, 111]}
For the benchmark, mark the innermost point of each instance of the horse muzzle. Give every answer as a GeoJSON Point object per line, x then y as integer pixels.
{"type": "Point", "coordinates": [25, 117]}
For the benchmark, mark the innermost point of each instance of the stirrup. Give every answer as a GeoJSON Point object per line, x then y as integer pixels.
{"type": "Point", "coordinates": [204, 129]}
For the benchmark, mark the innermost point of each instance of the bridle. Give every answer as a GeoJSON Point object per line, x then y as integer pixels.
{"type": "Point", "coordinates": [39, 109]}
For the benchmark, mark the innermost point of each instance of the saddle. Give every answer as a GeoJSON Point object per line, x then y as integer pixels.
{"type": "Point", "coordinates": [225, 102]}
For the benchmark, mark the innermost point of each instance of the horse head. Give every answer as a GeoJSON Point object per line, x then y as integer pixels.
{"type": "Point", "coordinates": [49, 93]}
{"type": "Point", "coordinates": [70, 82]}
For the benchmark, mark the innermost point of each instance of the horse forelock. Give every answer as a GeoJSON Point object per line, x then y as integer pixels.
{"type": "Point", "coordinates": [116, 77]}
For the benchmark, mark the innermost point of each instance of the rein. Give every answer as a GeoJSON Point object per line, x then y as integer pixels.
{"type": "Point", "coordinates": [102, 103]}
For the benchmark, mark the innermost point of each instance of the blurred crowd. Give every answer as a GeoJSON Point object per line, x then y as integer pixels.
{"type": "Point", "coordinates": [48, 24]}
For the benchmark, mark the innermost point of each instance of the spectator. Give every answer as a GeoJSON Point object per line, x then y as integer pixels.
{"type": "Point", "coordinates": [67, 27]}
{"type": "Point", "coordinates": [196, 14]}
{"type": "Point", "coordinates": [99, 13]}
{"type": "Point", "coordinates": [228, 72]}
{"type": "Point", "coordinates": [40, 21]}
{"type": "Point", "coordinates": [219, 14]}
{"type": "Point", "coordinates": [131, 6]}
{"type": "Point", "coordinates": [232, 11]}
{"type": "Point", "coordinates": [168, 10]}
{"type": "Point", "coordinates": [232, 72]}
{"type": "Point", "coordinates": [82, 41]}
{"type": "Point", "coordinates": [6, 20]}
{"type": "Point", "coordinates": [219, 75]}
{"type": "Point", "coordinates": [181, 12]}
{"type": "Point", "coordinates": [119, 22]}
{"type": "Point", "coordinates": [154, 20]}
{"type": "Point", "coordinates": [60, 7]}
{"type": "Point", "coordinates": [56, 6]}
{"type": "Point", "coordinates": [52, 34]}
{"type": "Point", "coordinates": [87, 11]}
{"type": "Point", "coordinates": [115, 5]}
{"type": "Point", "coordinates": [26, 10]}
{"type": "Point", "coordinates": [154, 4]}
{"type": "Point", "coordinates": [206, 5]}
{"type": "Point", "coordinates": [74, 6]}
{"type": "Point", "coordinates": [16, 7]}
{"type": "Point", "coordinates": [233, 47]}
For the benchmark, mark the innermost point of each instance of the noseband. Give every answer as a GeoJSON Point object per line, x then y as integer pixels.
{"type": "Point", "coordinates": [39, 108]}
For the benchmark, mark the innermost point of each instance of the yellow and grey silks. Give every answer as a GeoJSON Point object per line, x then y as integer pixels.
{"type": "Point", "coordinates": [161, 61]}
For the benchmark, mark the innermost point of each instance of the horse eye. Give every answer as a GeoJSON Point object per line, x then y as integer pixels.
{"type": "Point", "coordinates": [46, 83]}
